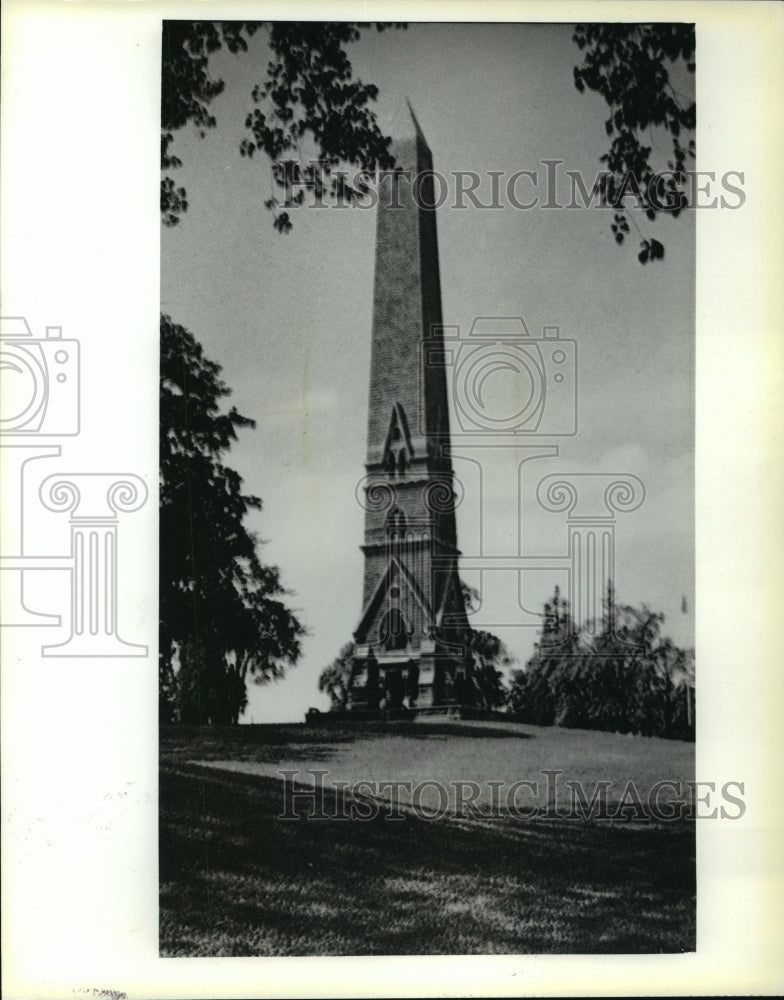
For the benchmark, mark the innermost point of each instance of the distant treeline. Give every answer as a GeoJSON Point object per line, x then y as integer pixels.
{"type": "Point", "coordinates": [618, 674]}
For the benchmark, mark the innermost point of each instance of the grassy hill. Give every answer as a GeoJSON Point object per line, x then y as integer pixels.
{"type": "Point", "coordinates": [238, 880]}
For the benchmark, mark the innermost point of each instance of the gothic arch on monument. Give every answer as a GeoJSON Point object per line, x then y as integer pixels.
{"type": "Point", "coordinates": [409, 644]}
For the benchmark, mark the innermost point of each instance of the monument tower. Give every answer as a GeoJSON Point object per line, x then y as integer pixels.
{"type": "Point", "coordinates": [409, 644]}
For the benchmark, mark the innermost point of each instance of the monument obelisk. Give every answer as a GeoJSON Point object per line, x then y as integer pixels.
{"type": "Point", "coordinates": [410, 641]}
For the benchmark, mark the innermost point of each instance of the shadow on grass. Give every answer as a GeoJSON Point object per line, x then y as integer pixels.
{"type": "Point", "coordinates": [235, 880]}
{"type": "Point", "coordinates": [311, 743]}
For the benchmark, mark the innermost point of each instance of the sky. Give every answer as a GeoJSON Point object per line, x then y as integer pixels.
{"type": "Point", "coordinates": [288, 317]}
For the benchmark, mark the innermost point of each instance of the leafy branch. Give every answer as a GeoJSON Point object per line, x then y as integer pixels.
{"type": "Point", "coordinates": [630, 65]}
{"type": "Point", "coordinates": [309, 93]}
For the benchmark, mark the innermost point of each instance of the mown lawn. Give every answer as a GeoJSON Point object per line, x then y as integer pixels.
{"type": "Point", "coordinates": [237, 880]}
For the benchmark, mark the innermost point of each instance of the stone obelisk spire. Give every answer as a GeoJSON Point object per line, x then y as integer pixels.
{"type": "Point", "coordinates": [408, 649]}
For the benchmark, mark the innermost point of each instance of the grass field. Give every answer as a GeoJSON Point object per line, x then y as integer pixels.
{"type": "Point", "coordinates": [238, 880]}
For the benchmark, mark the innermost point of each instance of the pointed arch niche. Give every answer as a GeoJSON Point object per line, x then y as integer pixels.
{"type": "Point", "coordinates": [398, 452]}
{"type": "Point", "coordinates": [393, 631]}
{"type": "Point", "coordinates": [396, 524]}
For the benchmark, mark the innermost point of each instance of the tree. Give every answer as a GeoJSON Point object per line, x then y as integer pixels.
{"type": "Point", "coordinates": [335, 680]}
{"type": "Point", "coordinates": [630, 65]}
{"type": "Point", "coordinates": [187, 90]}
{"type": "Point", "coordinates": [534, 692]}
{"type": "Point", "coordinates": [484, 652]}
{"type": "Point", "coordinates": [619, 674]}
{"type": "Point", "coordinates": [485, 681]}
{"type": "Point", "coordinates": [308, 94]}
{"type": "Point", "coordinates": [487, 657]}
{"type": "Point", "coordinates": [222, 618]}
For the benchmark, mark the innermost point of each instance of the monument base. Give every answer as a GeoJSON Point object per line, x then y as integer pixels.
{"type": "Point", "coordinates": [424, 680]}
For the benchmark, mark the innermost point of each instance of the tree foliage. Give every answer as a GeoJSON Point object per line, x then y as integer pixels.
{"type": "Point", "coordinates": [619, 675]}
{"type": "Point", "coordinates": [485, 654]}
{"type": "Point", "coordinates": [222, 617]}
{"type": "Point", "coordinates": [487, 657]}
{"type": "Point", "coordinates": [335, 680]}
{"type": "Point", "coordinates": [187, 90]}
{"type": "Point", "coordinates": [485, 678]}
{"type": "Point", "coordinates": [630, 66]}
{"type": "Point", "coordinates": [308, 95]}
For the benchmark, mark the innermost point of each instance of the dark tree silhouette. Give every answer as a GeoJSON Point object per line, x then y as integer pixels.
{"type": "Point", "coordinates": [630, 65]}
{"type": "Point", "coordinates": [187, 90]}
{"type": "Point", "coordinates": [335, 680]}
{"type": "Point", "coordinates": [485, 680]}
{"type": "Point", "coordinates": [222, 617]}
{"type": "Point", "coordinates": [486, 657]}
{"type": "Point", "coordinates": [308, 93]}
{"type": "Point", "coordinates": [531, 693]}
{"type": "Point", "coordinates": [619, 674]}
